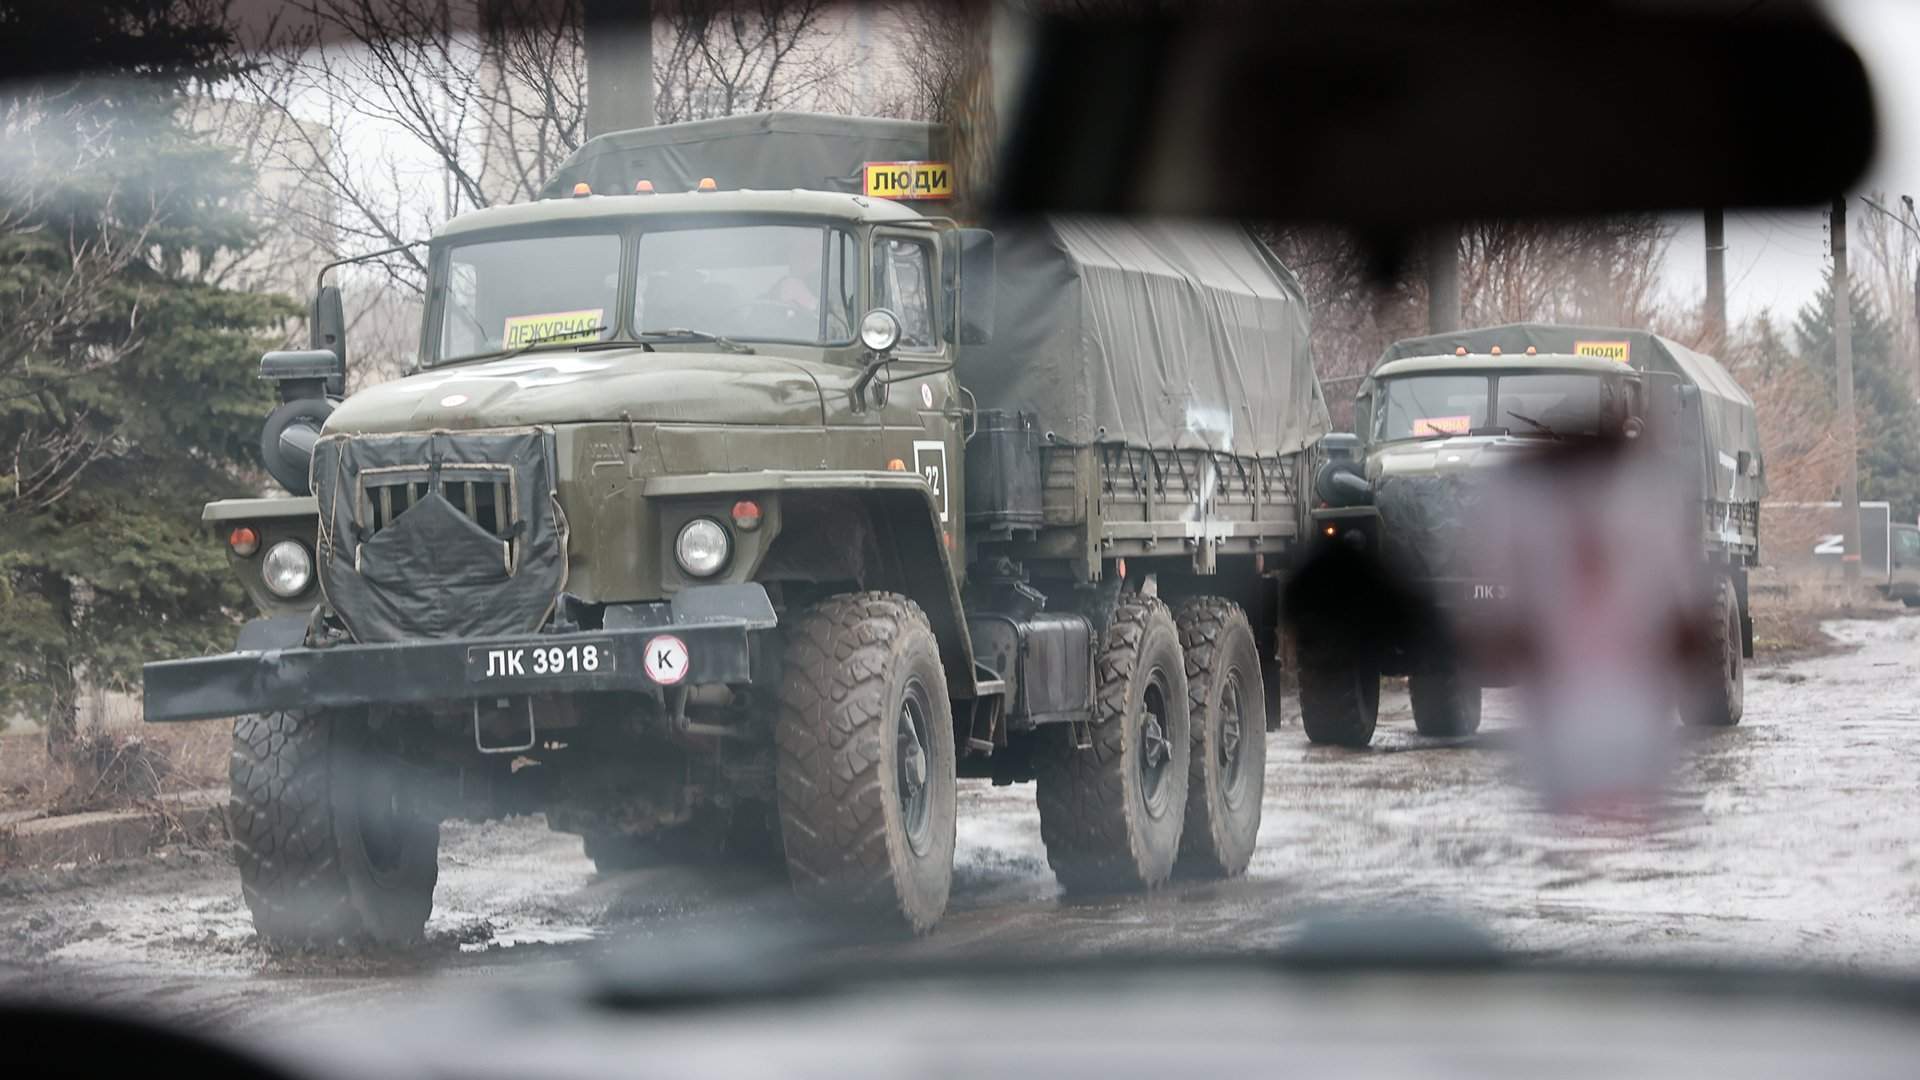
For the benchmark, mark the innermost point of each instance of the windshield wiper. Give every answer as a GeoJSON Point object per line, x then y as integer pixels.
{"type": "Point", "coordinates": [696, 335]}
{"type": "Point", "coordinates": [557, 337]}
{"type": "Point", "coordinates": [1535, 424]}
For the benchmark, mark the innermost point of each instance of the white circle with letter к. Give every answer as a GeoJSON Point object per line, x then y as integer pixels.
{"type": "Point", "coordinates": [666, 659]}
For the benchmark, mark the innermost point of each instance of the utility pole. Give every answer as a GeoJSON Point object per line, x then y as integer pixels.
{"type": "Point", "coordinates": [619, 46]}
{"type": "Point", "coordinates": [1843, 361]}
{"type": "Point", "coordinates": [1443, 279]}
{"type": "Point", "coordinates": [1716, 223]}
{"type": "Point", "coordinates": [1907, 202]}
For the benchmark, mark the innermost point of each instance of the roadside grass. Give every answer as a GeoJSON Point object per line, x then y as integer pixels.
{"type": "Point", "coordinates": [1787, 616]}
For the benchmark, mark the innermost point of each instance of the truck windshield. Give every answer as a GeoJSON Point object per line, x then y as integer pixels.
{"type": "Point", "coordinates": [498, 294]}
{"type": "Point", "coordinates": [1543, 404]}
{"type": "Point", "coordinates": [793, 283]}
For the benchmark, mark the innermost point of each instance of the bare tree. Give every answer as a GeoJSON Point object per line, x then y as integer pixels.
{"type": "Point", "coordinates": [735, 56]}
{"type": "Point", "coordinates": [1600, 271]}
{"type": "Point", "coordinates": [408, 114]}
{"type": "Point", "coordinates": [1887, 259]}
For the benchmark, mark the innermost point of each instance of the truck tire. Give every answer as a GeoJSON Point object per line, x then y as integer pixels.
{"type": "Point", "coordinates": [1111, 814]}
{"type": "Point", "coordinates": [330, 846]}
{"type": "Point", "coordinates": [1444, 705]}
{"type": "Point", "coordinates": [866, 762]}
{"type": "Point", "coordinates": [1227, 711]}
{"type": "Point", "coordinates": [1719, 699]}
{"type": "Point", "coordinates": [1339, 696]}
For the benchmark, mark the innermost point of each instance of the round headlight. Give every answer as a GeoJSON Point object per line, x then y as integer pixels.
{"type": "Point", "coordinates": [703, 547]}
{"type": "Point", "coordinates": [288, 568]}
{"type": "Point", "coordinates": [880, 330]}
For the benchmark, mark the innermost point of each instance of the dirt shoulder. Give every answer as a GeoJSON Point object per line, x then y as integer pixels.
{"type": "Point", "coordinates": [1787, 623]}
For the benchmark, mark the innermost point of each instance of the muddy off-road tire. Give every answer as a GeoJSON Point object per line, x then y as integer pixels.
{"type": "Point", "coordinates": [866, 762]}
{"type": "Point", "coordinates": [1227, 710]}
{"type": "Point", "coordinates": [1339, 696]}
{"type": "Point", "coordinates": [1719, 697]}
{"type": "Point", "coordinates": [1111, 814]}
{"type": "Point", "coordinates": [331, 848]}
{"type": "Point", "coordinates": [1444, 705]}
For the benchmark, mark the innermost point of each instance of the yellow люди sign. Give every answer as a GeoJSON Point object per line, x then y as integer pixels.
{"type": "Point", "coordinates": [1619, 351]}
{"type": "Point", "coordinates": [583, 325]}
{"type": "Point", "coordinates": [908, 180]}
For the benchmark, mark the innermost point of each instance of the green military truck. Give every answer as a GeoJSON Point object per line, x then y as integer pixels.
{"type": "Point", "coordinates": [1442, 416]}
{"type": "Point", "coordinates": [736, 512]}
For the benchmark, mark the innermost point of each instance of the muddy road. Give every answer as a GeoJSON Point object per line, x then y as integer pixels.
{"type": "Point", "coordinates": [1794, 837]}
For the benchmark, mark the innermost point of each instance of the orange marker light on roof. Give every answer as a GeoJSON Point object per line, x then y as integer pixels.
{"type": "Point", "coordinates": [1531, 351]}
{"type": "Point", "coordinates": [1459, 350]}
{"type": "Point", "coordinates": [896, 465]}
{"type": "Point", "coordinates": [707, 184]}
{"type": "Point", "coordinates": [582, 188]}
{"type": "Point", "coordinates": [644, 187]}
{"type": "Point", "coordinates": [1496, 350]}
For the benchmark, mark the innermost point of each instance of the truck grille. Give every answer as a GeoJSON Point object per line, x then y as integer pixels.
{"type": "Point", "coordinates": [487, 502]}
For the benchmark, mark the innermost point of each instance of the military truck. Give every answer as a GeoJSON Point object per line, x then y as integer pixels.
{"type": "Point", "coordinates": [725, 519]}
{"type": "Point", "coordinates": [1436, 423]}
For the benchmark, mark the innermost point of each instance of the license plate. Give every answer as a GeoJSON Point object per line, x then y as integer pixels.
{"type": "Point", "coordinates": [1486, 594]}
{"type": "Point", "coordinates": [486, 663]}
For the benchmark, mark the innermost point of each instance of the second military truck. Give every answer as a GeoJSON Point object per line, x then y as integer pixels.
{"type": "Point", "coordinates": [1438, 424]}
{"type": "Point", "coordinates": [729, 520]}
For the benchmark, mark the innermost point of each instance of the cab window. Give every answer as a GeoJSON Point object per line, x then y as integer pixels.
{"type": "Point", "coordinates": [529, 290]}
{"type": "Point", "coordinates": [1416, 406]}
{"type": "Point", "coordinates": [1907, 546]}
{"type": "Point", "coordinates": [903, 284]}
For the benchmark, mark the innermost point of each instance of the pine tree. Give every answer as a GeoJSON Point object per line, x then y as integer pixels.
{"type": "Point", "coordinates": [1887, 418]}
{"type": "Point", "coordinates": [127, 384]}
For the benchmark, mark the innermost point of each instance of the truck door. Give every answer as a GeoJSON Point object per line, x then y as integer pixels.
{"type": "Point", "coordinates": [923, 414]}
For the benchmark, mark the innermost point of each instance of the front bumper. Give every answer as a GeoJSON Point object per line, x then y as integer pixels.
{"type": "Point", "coordinates": [717, 649]}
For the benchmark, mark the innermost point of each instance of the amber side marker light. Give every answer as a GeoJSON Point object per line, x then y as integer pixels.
{"type": "Point", "coordinates": [707, 184]}
{"type": "Point", "coordinates": [644, 187]}
{"type": "Point", "coordinates": [243, 541]}
{"type": "Point", "coordinates": [746, 515]}
{"type": "Point", "coordinates": [1459, 350]}
{"type": "Point", "coordinates": [896, 465]}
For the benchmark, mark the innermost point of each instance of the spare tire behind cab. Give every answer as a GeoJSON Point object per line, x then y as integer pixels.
{"type": "Point", "coordinates": [286, 442]}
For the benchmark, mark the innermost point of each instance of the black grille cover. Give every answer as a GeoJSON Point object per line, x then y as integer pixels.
{"type": "Point", "coordinates": [409, 550]}
{"type": "Point", "coordinates": [1431, 523]}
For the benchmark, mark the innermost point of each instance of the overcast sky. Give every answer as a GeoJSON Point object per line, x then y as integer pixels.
{"type": "Point", "coordinates": [1775, 258]}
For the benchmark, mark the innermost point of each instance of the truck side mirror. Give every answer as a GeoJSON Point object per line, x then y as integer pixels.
{"type": "Point", "coordinates": [968, 270]}
{"type": "Point", "coordinates": [327, 329]}
{"type": "Point", "coordinates": [1363, 416]}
